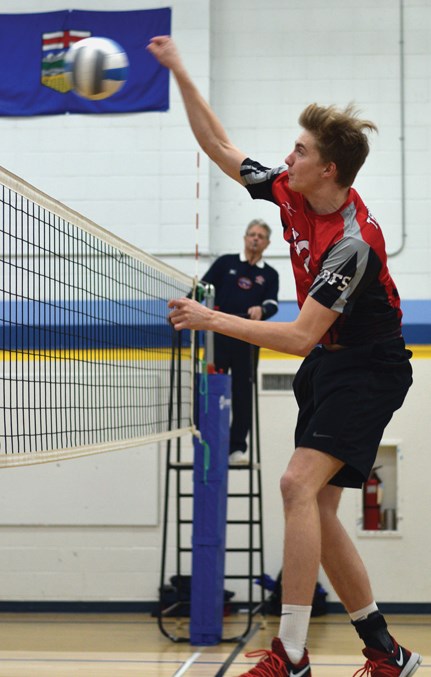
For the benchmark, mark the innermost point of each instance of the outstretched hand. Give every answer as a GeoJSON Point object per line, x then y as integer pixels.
{"type": "Point", "coordinates": [163, 48]}
{"type": "Point", "coordinates": [189, 314]}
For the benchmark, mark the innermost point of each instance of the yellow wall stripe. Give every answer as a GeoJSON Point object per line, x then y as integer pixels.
{"type": "Point", "coordinates": [419, 352]}
{"type": "Point", "coordinates": [147, 354]}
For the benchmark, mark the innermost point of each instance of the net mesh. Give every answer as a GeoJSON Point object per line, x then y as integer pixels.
{"type": "Point", "coordinates": [89, 360]}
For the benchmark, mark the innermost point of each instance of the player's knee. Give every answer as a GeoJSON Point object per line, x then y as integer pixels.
{"type": "Point", "coordinates": [292, 489]}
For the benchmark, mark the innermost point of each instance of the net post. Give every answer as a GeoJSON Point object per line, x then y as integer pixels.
{"type": "Point", "coordinates": [210, 479]}
{"type": "Point", "coordinates": [209, 296]}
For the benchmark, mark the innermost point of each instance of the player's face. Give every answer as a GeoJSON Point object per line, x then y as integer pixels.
{"type": "Point", "coordinates": [256, 240]}
{"type": "Point", "coordinates": [305, 165]}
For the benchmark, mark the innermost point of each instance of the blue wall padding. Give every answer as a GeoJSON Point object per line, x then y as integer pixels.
{"type": "Point", "coordinates": [209, 511]}
{"type": "Point", "coordinates": [416, 318]}
{"type": "Point", "coordinates": [36, 325]}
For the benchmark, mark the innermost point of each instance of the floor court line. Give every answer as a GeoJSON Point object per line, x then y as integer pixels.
{"type": "Point", "coordinates": [133, 646]}
{"type": "Point", "coordinates": [187, 664]}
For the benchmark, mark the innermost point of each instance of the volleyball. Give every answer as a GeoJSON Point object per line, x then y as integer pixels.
{"type": "Point", "coordinates": [96, 68]}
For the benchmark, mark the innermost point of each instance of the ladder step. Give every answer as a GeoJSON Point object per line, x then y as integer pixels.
{"type": "Point", "coordinates": [244, 521]}
{"type": "Point", "coordinates": [241, 577]}
{"type": "Point", "coordinates": [177, 465]}
{"type": "Point", "coordinates": [244, 466]}
{"type": "Point", "coordinates": [244, 549]}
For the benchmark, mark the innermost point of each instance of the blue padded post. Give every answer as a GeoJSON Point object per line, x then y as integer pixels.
{"type": "Point", "coordinates": [210, 474]}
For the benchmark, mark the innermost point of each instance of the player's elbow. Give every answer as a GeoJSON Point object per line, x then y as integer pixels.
{"type": "Point", "coordinates": [302, 342]}
{"type": "Point", "coordinates": [305, 350]}
{"type": "Point", "coordinates": [301, 350]}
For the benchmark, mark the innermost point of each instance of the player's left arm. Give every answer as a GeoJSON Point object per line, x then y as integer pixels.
{"type": "Point", "coordinates": [296, 338]}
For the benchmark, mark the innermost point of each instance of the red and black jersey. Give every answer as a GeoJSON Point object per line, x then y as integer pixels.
{"type": "Point", "coordinates": [339, 259]}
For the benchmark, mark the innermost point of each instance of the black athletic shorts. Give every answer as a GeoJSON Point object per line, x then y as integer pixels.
{"type": "Point", "coordinates": [346, 398]}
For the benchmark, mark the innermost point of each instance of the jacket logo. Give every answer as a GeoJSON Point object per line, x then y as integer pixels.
{"type": "Point", "coordinates": [245, 283]}
{"type": "Point", "coordinates": [372, 220]}
{"type": "Point", "coordinates": [288, 207]}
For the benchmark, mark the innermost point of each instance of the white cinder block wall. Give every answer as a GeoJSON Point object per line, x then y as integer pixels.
{"type": "Point", "coordinates": [259, 64]}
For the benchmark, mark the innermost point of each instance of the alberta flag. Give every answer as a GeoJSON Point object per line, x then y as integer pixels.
{"type": "Point", "coordinates": [33, 48]}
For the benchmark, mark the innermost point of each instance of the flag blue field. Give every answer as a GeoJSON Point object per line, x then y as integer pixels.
{"type": "Point", "coordinates": [33, 48]}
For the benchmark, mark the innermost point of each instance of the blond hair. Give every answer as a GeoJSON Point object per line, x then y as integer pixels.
{"type": "Point", "coordinates": [340, 138]}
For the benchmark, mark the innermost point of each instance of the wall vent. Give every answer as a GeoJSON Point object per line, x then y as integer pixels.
{"type": "Point", "coordinates": [277, 382]}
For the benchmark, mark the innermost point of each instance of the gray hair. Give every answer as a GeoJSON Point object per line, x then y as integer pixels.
{"type": "Point", "coordinates": [262, 224]}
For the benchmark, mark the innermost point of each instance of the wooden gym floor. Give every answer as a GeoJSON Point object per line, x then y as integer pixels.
{"type": "Point", "coordinates": [104, 645]}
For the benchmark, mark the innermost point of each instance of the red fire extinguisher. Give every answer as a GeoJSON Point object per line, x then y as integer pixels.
{"type": "Point", "coordinates": [372, 495]}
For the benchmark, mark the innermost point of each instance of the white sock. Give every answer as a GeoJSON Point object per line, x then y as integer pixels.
{"type": "Point", "coordinates": [361, 614]}
{"type": "Point", "coordinates": [294, 623]}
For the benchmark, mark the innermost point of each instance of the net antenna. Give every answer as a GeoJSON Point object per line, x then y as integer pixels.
{"type": "Point", "coordinates": [86, 348]}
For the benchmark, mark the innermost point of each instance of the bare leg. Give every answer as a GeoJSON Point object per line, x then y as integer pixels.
{"type": "Point", "coordinates": [308, 471]}
{"type": "Point", "coordinates": [340, 559]}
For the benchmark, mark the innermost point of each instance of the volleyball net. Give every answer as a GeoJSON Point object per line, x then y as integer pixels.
{"type": "Point", "coordinates": [89, 361]}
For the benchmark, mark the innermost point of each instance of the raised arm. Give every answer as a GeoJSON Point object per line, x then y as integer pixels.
{"type": "Point", "coordinates": [205, 125]}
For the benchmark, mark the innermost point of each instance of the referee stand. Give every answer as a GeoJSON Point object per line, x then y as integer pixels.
{"type": "Point", "coordinates": [248, 495]}
{"type": "Point", "coordinates": [206, 513]}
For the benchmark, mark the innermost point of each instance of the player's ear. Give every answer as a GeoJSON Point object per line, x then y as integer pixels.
{"type": "Point", "coordinates": [330, 169]}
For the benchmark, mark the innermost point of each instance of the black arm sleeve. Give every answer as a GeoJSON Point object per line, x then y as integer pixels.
{"type": "Point", "coordinates": [270, 303]}
{"type": "Point", "coordinates": [259, 179]}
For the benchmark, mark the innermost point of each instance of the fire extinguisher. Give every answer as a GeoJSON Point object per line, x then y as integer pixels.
{"type": "Point", "coordinates": [372, 495]}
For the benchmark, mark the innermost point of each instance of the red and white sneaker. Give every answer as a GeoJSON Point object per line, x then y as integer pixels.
{"type": "Point", "coordinates": [276, 663]}
{"type": "Point", "coordinates": [400, 663]}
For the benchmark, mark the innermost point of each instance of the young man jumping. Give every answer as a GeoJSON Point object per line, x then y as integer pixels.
{"type": "Point", "coordinates": [356, 370]}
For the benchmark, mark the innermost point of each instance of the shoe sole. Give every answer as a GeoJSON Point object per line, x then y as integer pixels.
{"type": "Point", "coordinates": [413, 664]}
{"type": "Point", "coordinates": [237, 458]}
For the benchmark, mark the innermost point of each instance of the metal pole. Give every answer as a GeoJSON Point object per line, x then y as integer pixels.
{"type": "Point", "coordinates": [209, 297]}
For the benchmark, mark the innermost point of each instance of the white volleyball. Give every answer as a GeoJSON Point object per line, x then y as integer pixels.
{"type": "Point", "coordinates": [96, 67]}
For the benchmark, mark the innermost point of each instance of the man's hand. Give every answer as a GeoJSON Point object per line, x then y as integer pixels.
{"type": "Point", "coordinates": [189, 314]}
{"type": "Point", "coordinates": [255, 313]}
{"type": "Point", "coordinates": [163, 48]}
{"type": "Point", "coordinates": [205, 125]}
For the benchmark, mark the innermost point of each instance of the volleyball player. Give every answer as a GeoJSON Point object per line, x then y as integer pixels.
{"type": "Point", "coordinates": [356, 370]}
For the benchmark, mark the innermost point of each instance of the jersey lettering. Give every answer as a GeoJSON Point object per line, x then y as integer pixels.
{"type": "Point", "coordinates": [302, 248]}
{"type": "Point", "coordinates": [332, 278]}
